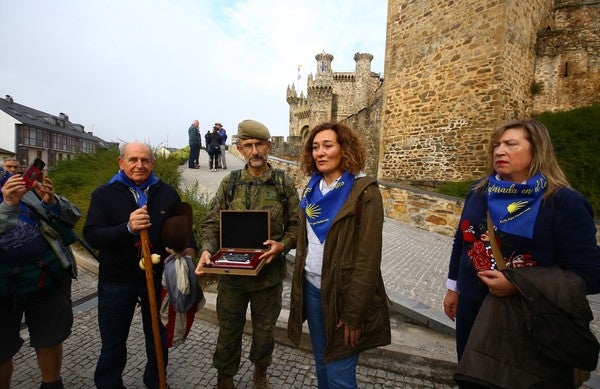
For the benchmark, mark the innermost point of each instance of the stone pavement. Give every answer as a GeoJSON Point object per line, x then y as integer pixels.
{"type": "Point", "coordinates": [421, 354]}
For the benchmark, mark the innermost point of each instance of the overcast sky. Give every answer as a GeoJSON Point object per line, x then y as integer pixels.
{"type": "Point", "coordinates": [145, 69]}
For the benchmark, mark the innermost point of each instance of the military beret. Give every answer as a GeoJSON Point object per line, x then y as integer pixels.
{"type": "Point", "coordinates": [251, 129]}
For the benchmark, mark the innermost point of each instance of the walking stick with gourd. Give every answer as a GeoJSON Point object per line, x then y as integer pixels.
{"type": "Point", "coordinates": [153, 309]}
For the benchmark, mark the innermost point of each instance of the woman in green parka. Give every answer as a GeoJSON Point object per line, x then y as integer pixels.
{"type": "Point", "coordinates": [337, 283]}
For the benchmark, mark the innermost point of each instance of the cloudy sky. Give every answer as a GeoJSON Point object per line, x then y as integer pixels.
{"type": "Point", "coordinates": [144, 69]}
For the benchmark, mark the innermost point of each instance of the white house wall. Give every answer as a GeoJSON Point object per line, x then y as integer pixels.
{"type": "Point", "coordinates": [8, 133]}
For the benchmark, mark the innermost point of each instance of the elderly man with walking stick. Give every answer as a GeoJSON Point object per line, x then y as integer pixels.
{"type": "Point", "coordinates": [124, 222]}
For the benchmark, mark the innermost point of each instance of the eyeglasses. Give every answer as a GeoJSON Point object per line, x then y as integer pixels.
{"type": "Point", "coordinates": [260, 146]}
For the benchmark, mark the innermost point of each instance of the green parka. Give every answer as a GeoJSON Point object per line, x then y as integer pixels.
{"type": "Point", "coordinates": [352, 287]}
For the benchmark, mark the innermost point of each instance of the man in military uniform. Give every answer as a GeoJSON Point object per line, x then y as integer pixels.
{"type": "Point", "coordinates": [257, 186]}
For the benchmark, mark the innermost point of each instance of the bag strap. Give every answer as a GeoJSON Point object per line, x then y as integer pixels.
{"type": "Point", "coordinates": [500, 263]}
{"type": "Point", "coordinates": [53, 221]}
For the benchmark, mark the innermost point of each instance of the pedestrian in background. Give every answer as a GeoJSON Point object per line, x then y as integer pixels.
{"type": "Point", "coordinates": [337, 284]}
{"type": "Point", "coordinates": [36, 268]}
{"type": "Point", "coordinates": [257, 186]}
{"type": "Point", "coordinates": [223, 134]}
{"type": "Point", "coordinates": [213, 145]}
{"type": "Point", "coordinates": [526, 219]}
{"type": "Point", "coordinates": [132, 201]}
{"type": "Point", "coordinates": [195, 143]}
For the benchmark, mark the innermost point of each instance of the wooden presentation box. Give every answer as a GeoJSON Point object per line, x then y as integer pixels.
{"type": "Point", "coordinates": [242, 234]}
{"type": "Point", "coordinates": [220, 266]}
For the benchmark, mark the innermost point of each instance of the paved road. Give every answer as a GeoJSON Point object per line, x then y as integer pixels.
{"type": "Point", "coordinates": [414, 269]}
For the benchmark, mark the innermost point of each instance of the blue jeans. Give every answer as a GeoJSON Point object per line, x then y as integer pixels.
{"type": "Point", "coordinates": [116, 306]}
{"type": "Point", "coordinates": [340, 373]}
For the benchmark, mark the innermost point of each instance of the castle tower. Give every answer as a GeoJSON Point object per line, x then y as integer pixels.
{"type": "Point", "coordinates": [324, 67]}
{"type": "Point", "coordinates": [333, 96]}
{"type": "Point", "coordinates": [320, 94]}
{"type": "Point", "coordinates": [455, 70]}
{"type": "Point", "coordinates": [362, 76]}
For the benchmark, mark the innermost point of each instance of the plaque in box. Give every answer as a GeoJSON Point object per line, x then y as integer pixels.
{"type": "Point", "coordinates": [242, 234]}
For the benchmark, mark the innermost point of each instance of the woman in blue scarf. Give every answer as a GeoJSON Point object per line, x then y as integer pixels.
{"type": "Point", "coordinates": [337, 281]}
{"type": "Point", "coordinates": [538, 221]}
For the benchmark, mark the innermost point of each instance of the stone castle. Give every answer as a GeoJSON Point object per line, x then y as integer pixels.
{"type": "Point", "coordinates": [455, 70]}
{"type": "Point", "coordinates": [352, 97]}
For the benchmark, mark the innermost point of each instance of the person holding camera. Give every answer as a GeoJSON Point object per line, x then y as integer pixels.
{"type": "Point", "coordinates": [36, 268]}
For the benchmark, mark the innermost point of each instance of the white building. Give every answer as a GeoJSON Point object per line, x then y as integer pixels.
{"type": "Point", "coordinates": [28, 133]}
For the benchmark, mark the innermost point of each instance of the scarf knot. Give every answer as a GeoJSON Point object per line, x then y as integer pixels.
{"type": "Point", "coordinates": [139, 192]}
{"type": "Point", "coordinates": [514, 207]}
{"type": "Point", "coordinates": [320, 210]}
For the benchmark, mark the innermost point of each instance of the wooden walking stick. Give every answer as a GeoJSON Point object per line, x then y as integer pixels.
{"type": "Point", "coordinates": [153, 309]}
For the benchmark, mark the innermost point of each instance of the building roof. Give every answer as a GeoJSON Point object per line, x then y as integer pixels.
{"type": "Point", "coordinates": [38, 119]}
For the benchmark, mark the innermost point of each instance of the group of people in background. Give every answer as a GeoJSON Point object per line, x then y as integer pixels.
{"type": "Point", "coordinates": [524, 235]}
{"type": "Point", "coordinates": [214, 144]}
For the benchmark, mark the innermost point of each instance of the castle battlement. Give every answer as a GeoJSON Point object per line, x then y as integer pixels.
{"type": "Point", "coordinates": [332, 96]}
{"type": "Point", "coordinates": [454, 72]}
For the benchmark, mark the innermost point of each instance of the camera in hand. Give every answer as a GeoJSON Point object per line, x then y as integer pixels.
{"type": "Point", "coordinates": [33, 172]}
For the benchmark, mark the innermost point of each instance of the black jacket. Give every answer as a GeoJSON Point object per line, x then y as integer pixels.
{"type": "Point", "coordinates": [105, 229]}
{"type": "Point", "coordinates": [534, 339]}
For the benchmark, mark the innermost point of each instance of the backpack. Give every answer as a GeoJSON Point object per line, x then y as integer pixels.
{"type": "Point", "coordinates": [22, 281]}
{"type": "Point", "coordinates": [277, 179]}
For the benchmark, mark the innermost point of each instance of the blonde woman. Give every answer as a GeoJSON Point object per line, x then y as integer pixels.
{"type": "Point", "coordinates": [544, 235]}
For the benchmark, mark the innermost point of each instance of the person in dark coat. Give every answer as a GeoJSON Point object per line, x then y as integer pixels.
{"type": "Point", "coordinates": [537, 220]}
{"type": "Point", "coordinates": [195, 142]}
{"type": "Point", "coordinates": [133, 200]}
{"type": "Point", "coordinates": [213, 145]}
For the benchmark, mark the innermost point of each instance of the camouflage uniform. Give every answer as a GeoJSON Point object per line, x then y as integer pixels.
{"type": "Point", "coordinates": [263, 291]}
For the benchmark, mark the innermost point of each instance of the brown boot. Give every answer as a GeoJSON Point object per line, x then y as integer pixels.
{"type": "Point", "coordinates": [260, 379]}
{"type": "Point", "coordinates": [225, 381]}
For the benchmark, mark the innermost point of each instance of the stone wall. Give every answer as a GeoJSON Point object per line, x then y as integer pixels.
{"type": "Point", "coordinates": [451, 77]}
{"type": "Point", "coordinates": [568, 58]}
{"type": "Point", "coordinates": [419, 208]}
{"type": "Point", "coordinates": [422, 209]}
{"type": "Point", "coordinates": [366, 124]}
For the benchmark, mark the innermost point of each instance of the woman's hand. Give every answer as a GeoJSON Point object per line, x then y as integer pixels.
{"type": "Point", "coordinates": [497, 283]}
{"type": "Point", "coordinates": [450, 304]}
{"type": "Point", "coordinates": [351, 335]}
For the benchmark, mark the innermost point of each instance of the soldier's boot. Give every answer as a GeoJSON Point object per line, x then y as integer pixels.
{"type": "Point", "coordinates": [58, 384]}
{"type": "Point", "coordinates": [260, 378]}
{"type": "Point", "coordinates": [225, 381]}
